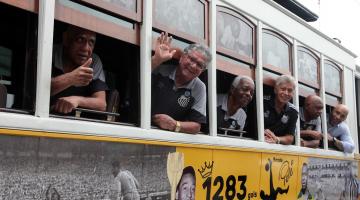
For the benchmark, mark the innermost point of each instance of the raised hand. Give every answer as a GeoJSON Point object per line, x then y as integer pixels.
{"type": "Point", "coordinates": [82, 75]}
{"type": "Point", "coordinates": [163, 51]}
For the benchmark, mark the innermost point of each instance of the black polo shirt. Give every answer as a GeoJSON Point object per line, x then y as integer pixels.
{"type": "Point", "coordinates": [283, 123]}
{"type": "Point", "coordinates": [96, 85]}
{"type": "Point", "coordinates": [186, 103]}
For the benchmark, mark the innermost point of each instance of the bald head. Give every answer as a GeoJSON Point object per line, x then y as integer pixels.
{"type": "Point", "coordinates": [313, 107]}
{"type": "Point", "coordinates": [339, 114]}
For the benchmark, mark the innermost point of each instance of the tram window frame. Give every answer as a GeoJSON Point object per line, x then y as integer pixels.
{"type": "Point", "coordinates": [118, 10]}
{"type": "Point", "coordinates": [29, 5]}
{"type": "Point", "coordinates": [340, 69]}
{"type": "Point", "coordinates": [279, 69]}
{"type": "Point", "coordinates": [21, 40]}
{"type": "Point", "coordinates": [160, 27]}
{"type": "Point", "coordinates": [119, 27]}
{"type": "Point", "coordinates": [224, 80]}
{"type": "Point", "coordinates": [230, 53]}
{"type": "Point", "coordinates": [317, 59]}
{"type": "Point", "coordinates": [87, 20]}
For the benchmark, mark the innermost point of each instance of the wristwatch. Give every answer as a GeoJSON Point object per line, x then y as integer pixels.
{"type": "Point", "coordinates": [178, 126]}
{"type": "Point", "coordinates": [277, 140]}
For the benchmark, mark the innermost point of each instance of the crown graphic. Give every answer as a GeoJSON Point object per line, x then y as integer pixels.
{"type": "Point", "coordinates": [206, 170]}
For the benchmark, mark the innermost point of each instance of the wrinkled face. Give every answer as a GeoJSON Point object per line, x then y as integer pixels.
{"type": "Point", "coordinates": [338, 115]}
{"type": "Point", "coordinates": [186, 190]}
{"type": "Point", "coordinates": [191, 65]}
{"type": "Point", "coordinates": [284, 92]}
{"type": "Point", "coordinates": [314, 109]}
{"type": "Point", "coordinates": [244, 92]}
{"type": "Point", "coordinates": [304, 177]}
{"type": "Point", "coordinates": [80, 46]}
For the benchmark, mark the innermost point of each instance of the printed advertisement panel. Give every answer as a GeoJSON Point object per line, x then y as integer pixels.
{"type": "Point", "coordinates": [278, 177]}
{"type": "Point", "coordinates": [198, 161]}
{"type": "Point", "coordinates": [328, 179]}
{"type": "Point", "coordinates": [52, 169]}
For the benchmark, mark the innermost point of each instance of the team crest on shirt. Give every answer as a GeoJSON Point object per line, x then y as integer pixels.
{"type": "Point", "coordinates": [233, 125]}
{"type": "Point", "coordinates": [284, 119]}
{"type": "Point", "coordinates": [183, 100]}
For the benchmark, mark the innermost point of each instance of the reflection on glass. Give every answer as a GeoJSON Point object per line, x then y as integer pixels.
{"type": "Point", "coordinates": [234, 34]}
{"type": "Point", "coordinates": [127, 4]}
{"type": "Point", "coordinates": [185, 15]}
{"type": "Point", "coordinates": [95, 13]}
{"type": "Point", "coordinates": [332, 79]}
{"type": "Point", "coordinates": [306, 89]}
{"type": "Point", "coordinates": [275, 52]}
{"type": "Point", "coordinates": [308, 67]}
{"type": "Point", "coordinates": [5, 62]}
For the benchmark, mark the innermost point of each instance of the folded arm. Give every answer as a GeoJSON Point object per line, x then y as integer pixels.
{"type": "Point", "coordinates": [97, 101]}
{"type": "Point", "coordinates": [168, 123]}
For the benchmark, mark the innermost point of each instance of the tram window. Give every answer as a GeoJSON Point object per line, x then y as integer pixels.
{"type": "Point", "coordinates": [236, 125]}
{"type": "Point", "coordinates": [185, 104]}
{"type": "Point", "coordinates": [121, 68]}
{"type": "Point", "coordinates": [186, 19]}
{"type": "Point", "coordinates": [276, 52]}
{"type": "Point", "coordinates": [235, 35]}
{"type": "Point", "coordinates": [333, 80]}
{"type": "Point", "coordinates": [305, 90]}
{"type": "Point", "coordinates": [308, 67]}
{"type": "Point", "coordinates": [18, 44]}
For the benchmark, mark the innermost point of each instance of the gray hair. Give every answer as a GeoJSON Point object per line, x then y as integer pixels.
{"type": "Point", "coordinates": [285, 79]}
{"type": "Point", "coordinates": [239, 78]}
{"type": "Point", "coordinates": [202, 49]}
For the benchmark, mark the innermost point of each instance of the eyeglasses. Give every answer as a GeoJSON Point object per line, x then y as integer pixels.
{"type": "Point", "coordinates": [193, 60]}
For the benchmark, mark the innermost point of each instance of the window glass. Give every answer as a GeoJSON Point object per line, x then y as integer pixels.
{"type": "Point", "coordinates": [305, 90]}
{"type": "Point", "coordinates": [332, 79]}
{"type": "Point", "coordinates": [307, 67]}
{"type": "Point", "coordinates": [275, 51]}
{"type": "Point", "coordinates": [5, 61]}
{"type": "Point", "coordinates": [234, 34]}
{"type": "Point", "coordinates": [186, 15]}
{"type": "Point", "coordinates": [18, 52]}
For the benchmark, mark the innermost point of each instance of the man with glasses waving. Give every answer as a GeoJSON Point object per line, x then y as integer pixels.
{"type": "Point", "coordinates": [178, 95]}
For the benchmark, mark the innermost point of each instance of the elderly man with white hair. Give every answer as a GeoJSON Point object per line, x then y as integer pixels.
{"type": "Point", "coordinates": [280, 115]}
{"type": "Point", "coordinates": [230, 107]}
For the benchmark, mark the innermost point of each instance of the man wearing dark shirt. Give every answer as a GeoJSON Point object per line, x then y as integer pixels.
{"type": "Point", "coordinates": [77, 77]}
{"type": "Point", "coordinates": [310, 122]}
{"type": "Point", "coordinates": [230, 107]}
{"type": "Point", "coordinates": [178, 95]}
{"type": "Point", "coordinates": [279, 114]}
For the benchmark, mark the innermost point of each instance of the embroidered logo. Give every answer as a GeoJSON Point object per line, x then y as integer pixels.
{"type": "Point", "coordinates": [183, 101]}
{"type": "Point", "coordinates": [284, 119]}
{"type": "Point", "coordinates": [233, 125]}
